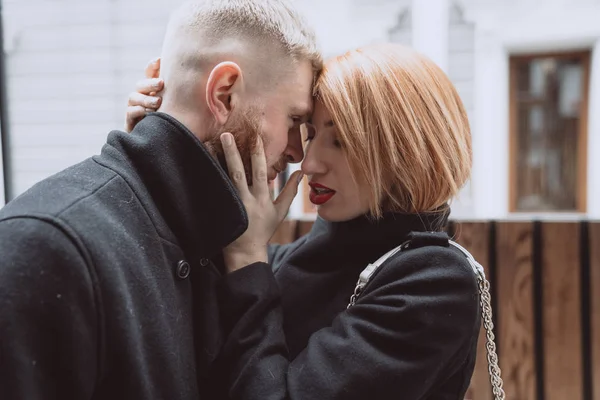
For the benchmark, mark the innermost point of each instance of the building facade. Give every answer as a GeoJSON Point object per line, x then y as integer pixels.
{"type": "Point", "coordinates": [528, 72]}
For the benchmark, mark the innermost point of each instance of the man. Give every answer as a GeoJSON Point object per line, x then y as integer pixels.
{"type": "Point", "coordinates": [109, 268]}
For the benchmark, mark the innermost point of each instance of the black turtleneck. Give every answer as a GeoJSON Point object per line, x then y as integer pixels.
{"type": "Point", "coordinates": [317, 274]}
{"type": "Point", "coordinates": [412, 334]}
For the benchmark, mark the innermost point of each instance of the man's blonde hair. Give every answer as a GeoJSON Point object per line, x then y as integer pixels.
{"type": "Point", "coordinates": [261, 31]}
{"type": "Point", "coordinates": [403, 125]}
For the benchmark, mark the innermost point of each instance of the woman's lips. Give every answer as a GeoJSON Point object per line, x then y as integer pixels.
{"type": "Point", "coordinates": [320, 194]}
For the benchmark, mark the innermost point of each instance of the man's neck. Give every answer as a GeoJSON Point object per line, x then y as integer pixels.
{"type": "Point", "coordinates": [194, 122]}
{"type": "Point", "coordinates": [184, 183]}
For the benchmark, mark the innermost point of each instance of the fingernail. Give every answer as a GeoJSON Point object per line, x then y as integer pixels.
{"type": "Point", "coordinates": [226, 139]}
{"type": "Point", "coordinates": [300, 176]}
{"type": "Point", "coordinates": [156, 83]}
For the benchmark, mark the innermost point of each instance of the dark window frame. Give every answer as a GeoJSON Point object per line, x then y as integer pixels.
{"type": "Point", "coordinates": [582, 146]}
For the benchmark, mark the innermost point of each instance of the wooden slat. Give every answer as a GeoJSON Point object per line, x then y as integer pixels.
{"type": "Point", "coordinates": [595, 305]}
{"type": "Point", "coordinates": [286, 232]}
{"type": "Point", "coordinates": [561, 308]}
{"type": "Point", "coordinates": [562, 312]}
{"type": "Point", "coordinates": [474, 236]}
{"type": "Point", "coordinates": [514, 276]}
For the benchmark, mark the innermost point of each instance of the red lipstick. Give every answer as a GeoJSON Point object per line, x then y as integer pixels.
{"type": "Point", "coordinates": [320, 194]}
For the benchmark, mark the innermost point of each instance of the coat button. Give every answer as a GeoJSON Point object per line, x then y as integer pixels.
{"type": "Point", "coordinates": [183, 269]}
{"type": "Point", "coordinates": [204, 262]}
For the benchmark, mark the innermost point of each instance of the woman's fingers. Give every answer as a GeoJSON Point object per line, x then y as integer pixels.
{"type": "Point", "coordinates": [145, 98]}
{"type": "Point", "coordinates": [234, 163]}
{"type": "Point", "coordinates": [150, 86]}
{"type": "Point", "coordinates": [139, 99]}
{"type": "Point", "coordinates": [133, 116]}
{"type": "Point", "coordinates": [138, 105]}
{"type": "Point", "coordinates": [260, 185]}
{"type": "Point", "coordinates": [284, 200]}
{"type": "Point", "coordinates": [153, 68]}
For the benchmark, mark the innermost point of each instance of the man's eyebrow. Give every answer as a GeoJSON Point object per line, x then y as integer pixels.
{"type": "Point", "coordinates": [303, 111]}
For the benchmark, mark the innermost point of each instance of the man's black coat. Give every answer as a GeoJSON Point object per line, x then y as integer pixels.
{"type": "Point", "coordinates": [106, 288]}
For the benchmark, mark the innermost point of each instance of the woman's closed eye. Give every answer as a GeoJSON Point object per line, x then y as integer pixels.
{"type": "Point", "coordinates": [310, 131]}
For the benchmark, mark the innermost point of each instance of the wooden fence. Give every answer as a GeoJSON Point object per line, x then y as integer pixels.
{"type": "Point", "coordinates": [545, 279]}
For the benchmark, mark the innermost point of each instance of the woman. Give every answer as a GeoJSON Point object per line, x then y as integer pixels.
{"type": "Point", "coordinates": [388, 147]}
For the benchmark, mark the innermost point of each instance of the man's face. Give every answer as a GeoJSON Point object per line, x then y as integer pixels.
{"type": "Point", "coordinates": [244, 125]}
{"type": "Point", "coordinates": [276, 116]}
{"type": "Point", "coordinates": [285, 108]}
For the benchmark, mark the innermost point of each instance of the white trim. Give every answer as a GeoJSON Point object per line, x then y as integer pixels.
{"type": "Point", "coordinates": [494, 43]}
{"type": "Point", "coordinates": [430, 29]}
{"type": "Point", "coordinates": [296, 209]}
{"type": "Point", "coordinates": [490, 128]}
{"type": "Point", "coordinates": [2, 198]}
{"type": "Point", "coordinates": [593, 136]}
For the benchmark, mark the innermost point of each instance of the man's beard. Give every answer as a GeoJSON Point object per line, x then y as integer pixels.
{"type": "Point", "coordinates": [245, 128]}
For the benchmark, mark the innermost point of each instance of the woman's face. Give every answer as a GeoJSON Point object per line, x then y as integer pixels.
{"type": "Point", "coordinates": [337, 196]}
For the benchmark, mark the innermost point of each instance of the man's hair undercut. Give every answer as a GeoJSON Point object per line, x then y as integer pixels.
{"type": "Point", "coordinates": [260, 32]}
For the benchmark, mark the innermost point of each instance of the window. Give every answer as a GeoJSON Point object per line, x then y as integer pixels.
{"type": "Point", "coordinates": [548, 139]}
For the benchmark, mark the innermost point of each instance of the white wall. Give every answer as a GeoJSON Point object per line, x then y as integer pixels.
{"type": "Point", "coordinates": [71, 64]}
{"type": "Point", "coordinates": [475, 52]}
{"type": "Point", "coordinates": [511, 27]}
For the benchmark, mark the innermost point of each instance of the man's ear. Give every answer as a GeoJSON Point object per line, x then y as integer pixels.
{"type": "Point", "coordinates": [224, 84]}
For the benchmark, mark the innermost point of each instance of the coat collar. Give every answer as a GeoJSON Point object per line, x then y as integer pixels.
{"type": "Point", "coordinates": [363, 240]}
{"type": "Point", "coordinates": [190, 198]}
{"type": "Point", "coordinates": [390, 223]}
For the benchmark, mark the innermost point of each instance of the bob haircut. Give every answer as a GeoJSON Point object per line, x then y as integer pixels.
{"type": "Point", "coordinates": [402, 124]}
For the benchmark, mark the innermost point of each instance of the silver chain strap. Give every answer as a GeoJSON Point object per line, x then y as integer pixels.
{"type": "Point", "coordinates": [485, 301]}
{"type": "Point", "coordinates": [355, 295]}
{"type": "Point", "coordinates": [486, 311]}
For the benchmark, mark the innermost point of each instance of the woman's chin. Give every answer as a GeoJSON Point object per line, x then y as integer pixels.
{"type": "Point", "coordinates": [334, 213]}
{"type": "Point", "coordinates": [322, 212]}
{"type": "Point", "coordinates": [330, 214]}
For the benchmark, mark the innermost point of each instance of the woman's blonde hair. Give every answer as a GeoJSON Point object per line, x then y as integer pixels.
{"type": "Point", "coordinates": [403, 125]}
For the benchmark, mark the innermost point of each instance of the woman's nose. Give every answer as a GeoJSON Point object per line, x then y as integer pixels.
{"type": "Point", "coordinates": [313, 162]}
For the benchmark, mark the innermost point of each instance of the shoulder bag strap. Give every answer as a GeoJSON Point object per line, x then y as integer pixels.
{"type": "Point", "coordinates": [484, 301]}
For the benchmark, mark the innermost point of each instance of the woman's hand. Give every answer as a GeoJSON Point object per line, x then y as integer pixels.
{"type": "Point", "coordinates": [146, 98]}
{"type": "Point", "coordinates": [264, 214]}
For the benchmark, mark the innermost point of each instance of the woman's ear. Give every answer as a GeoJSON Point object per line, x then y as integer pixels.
{"type": "Point", "coordinates": [222, 90]}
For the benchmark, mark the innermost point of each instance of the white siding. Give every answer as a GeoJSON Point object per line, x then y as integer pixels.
{"type": "Point", "coordinates": [70, 66]}
{"type": "Point", "coordinates": [71, 63]}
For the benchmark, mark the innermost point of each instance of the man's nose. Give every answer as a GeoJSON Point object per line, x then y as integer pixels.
{"type": "Point", "coordinates": [294, 152]}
